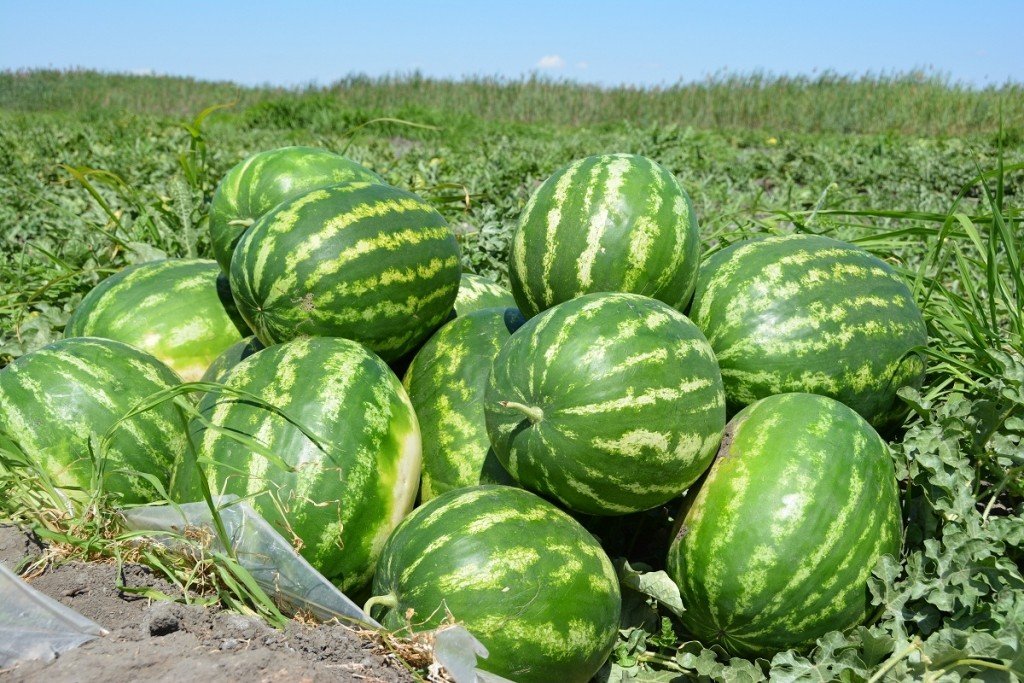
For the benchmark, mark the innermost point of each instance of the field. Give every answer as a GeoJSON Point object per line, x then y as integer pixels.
{"type": "Point", "coordinates": [102, 171]}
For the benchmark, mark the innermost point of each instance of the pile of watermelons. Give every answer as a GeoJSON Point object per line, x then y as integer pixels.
{"type": "Point", "coordinates": [599, 385]}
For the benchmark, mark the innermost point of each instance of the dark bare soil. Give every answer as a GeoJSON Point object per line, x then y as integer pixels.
{"type": "Point", "coordinates": [170, 641]}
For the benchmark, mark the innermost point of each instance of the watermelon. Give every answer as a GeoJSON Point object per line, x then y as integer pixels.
{"type": "Point", "coordinates": [609, 403]}
{"type": "Point", "coordinates": [171, 309]}
{"type": "Point", "coordinates": [337, 503]}
{"type": "Point", "coordinates": [806, 313]}
{"type": "Point", "coordinates": [606, 223]}
{"type": "Point", "coordinates": [262, 181]}
{"type": "Point", "coordinates": [365, 262]}
{"type": "Point", "coordinates": [478, 293]}
{"type": "Point", "coordinates": [59, 402]}
{"type": "Point", "coordinates": [446, 382]}
{"type": "Point", "coordinates": [522, 576]}
{"type": "Point", "coordinates": [229, 358]}
{"type": "Point", "coordinates": [777, 544]}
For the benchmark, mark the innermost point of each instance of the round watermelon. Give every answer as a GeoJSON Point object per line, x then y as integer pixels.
{"type": "Point", "coordinates": [806, 313]}
{"type": "Point", "coordinates": [59, 402]}
{"type": "Point", "coordinates": [446, 382]}
{"type": "Point", "coordinates": [477, 293]}
{"type": "Point", "coordinates": [521, 575]}
{"type": "Point", "coordinates": [171, 309]}
{"type": "Point", "coordinates": [229, 358]}
{"type": "Point", "coordinates": [365, 262]}
{"type": "Point", "coordinates": [777, 543]}
{"type": "Point", "coordinates": [610, 403]}
{"type": "Point", "coordinates": [262, 181]}
{"type": "Point", "coordinates": [337, 501]}
{"type": "Point", "coordinates": [606, 223]}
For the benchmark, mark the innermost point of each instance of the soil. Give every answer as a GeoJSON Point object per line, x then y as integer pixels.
{"type": "Point", "coordinates": [172, 641]}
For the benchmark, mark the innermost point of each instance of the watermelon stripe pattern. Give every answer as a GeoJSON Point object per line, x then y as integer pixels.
{"type": "Point", "coordinates": [171, 309]}
{"type": "Point", "coordinates": [477, 293]}
{"type": "Point", "coordinates": [341, 504]}
{"type": "Point", "coordinates": [807, 313]}
{"type": "Point", "coordinates": [229, 358]}
{"type": "Point", "coordinates": [777, 544]}
{"type": "Point", "coordinates": [446, 383]}
{"type": "Point", "coordinates": [606, 223]}
{"type": "Point", "coordinates": [59, 401]}
{"type": "Point", "coordinates": [360, 261]}
{"type": "Point", "coordinates": [262, 181]}
{"type": "Point", "coordinates": [627, 400]}
{"type": "Point", "coordinates": [523, 577]}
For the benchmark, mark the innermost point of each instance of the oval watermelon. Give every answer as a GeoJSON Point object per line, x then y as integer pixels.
{"type": "Point", "coordinates": [339, 502]}
{"type": "Point", "coordinates": [260, 182]}
{"type": "Point", "coordinates": [606, 223]}
{"type": "Point", "coordinates": [478, 293]}
{"type": "Point", "coordinates": [172, 309]}
{"type": "Point", "coordinates": [365, 262]}
{"type": "Point", "coordinates": [58, 403]}
{"type": "Point", "coordinates": [522, 576]}
{"type": "Point", "coordinates": [609, 403]}
{"type": "Point", "coordinates": [446, 382]}
{"type": "Point", "coordinates": [777, 543]}
{"type": "Point", "coordinates": [806, 313]}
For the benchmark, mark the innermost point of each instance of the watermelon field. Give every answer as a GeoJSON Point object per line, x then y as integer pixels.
{"type": "Point", "coordinates": [720, 381]}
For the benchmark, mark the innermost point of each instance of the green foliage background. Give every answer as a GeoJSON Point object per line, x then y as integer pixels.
{"type": "Point", "coordinates": [97, 172]}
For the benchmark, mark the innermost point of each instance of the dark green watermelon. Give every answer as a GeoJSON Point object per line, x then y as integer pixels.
{"type": "Point", "coordinates": [59, 402]}
{"type": "Point", "coordinates": [777, 543]}
{"type": "Point", "coordinates": [810, 313]}
{"type": "Point", "coordinates": [608, 403]}
{"type": "Point", "coordinates": [260, 182]}
{"type": "Point", "coordinates": [521, 575]}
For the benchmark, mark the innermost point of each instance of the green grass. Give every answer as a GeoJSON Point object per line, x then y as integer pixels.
{"type": "Point", "coordinates": [915, 103]}
{"type": "Point", "coordinates": [102, 171]}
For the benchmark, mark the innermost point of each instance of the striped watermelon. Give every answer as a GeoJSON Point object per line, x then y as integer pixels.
{"type": "Point", "coordinates": [478, 293]}
{"type": "Point", "coordinates": [339, 503]}
{"type": "Point", "coordinates": [446, 383]}
{"type": "Point", "coordinates": [809, 313]}
{"type": "Point", "coordinates": [262, 181]}
{"type": "Point", "coordinates": [522, 576]}
{"type": "Point", "coordinates": [365, 262]}
{"type": "Point", "coordinates": [171, 309]}
{"type": "Point", "coordinates": [229, 358]}
{"type": "Point", "coordinates": [609, 403]}
{"type": "Point", "coordinates": [777, 544]}
{"type": "Point", "coordinates": [606, 223]}
{"type": "Point", "coordinates": [58, 403]}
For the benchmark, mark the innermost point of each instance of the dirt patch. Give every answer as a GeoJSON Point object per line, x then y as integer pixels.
{"type": "Point", "coordinates": [170, 641]}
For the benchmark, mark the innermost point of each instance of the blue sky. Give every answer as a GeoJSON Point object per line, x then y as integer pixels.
{"type": "Point", "coordinates": [643, 42]}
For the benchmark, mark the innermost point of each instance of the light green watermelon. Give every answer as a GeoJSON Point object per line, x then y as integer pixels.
{"type": "Point", "coordinates": [339, 503]}
{"type": "Point", "coordinates": [365, 262]}
{"type": "Point", "coordinates": [172, 309]}
{"type": "Point", "coordinates": [262, 181]}
{"type": "Point", "coordinates": [609, 403]}
{"type": "Point", "coordinates": [521, 575]}
{"type": "Point", "coordinates": [477, 293]}
{"type": "Point", "coordinates": [446, 382]}
{"type": "Point", "coordinates": [606, 223]}
{"type": "Point", "coordinates": [777, 543]}
{"type": "Point", "coordinates": [807, 313]}
{"type": "Point", "coordinates": [59, 402]}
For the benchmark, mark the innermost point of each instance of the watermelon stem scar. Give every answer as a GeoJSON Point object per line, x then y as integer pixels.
{"type": "Point", "coordinates": [390, 601]}
{"type": "Point", "coordinates": [535, 414]}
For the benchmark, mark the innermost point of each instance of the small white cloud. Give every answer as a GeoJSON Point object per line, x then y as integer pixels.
{"type": "Point", "coordinates": [551, 62]}
{"type": "Point", "coordinates": [142, 72]}
{"type": "Point", "coordinates": [582, 65]}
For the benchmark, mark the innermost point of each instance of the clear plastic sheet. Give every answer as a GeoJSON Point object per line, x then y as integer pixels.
{"type": "Point", "coordinates": [273, 563]}
{"type": "Point", "coordinates": [290, 580]}
{"type": "Point", "coordinates": [34, 626]}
